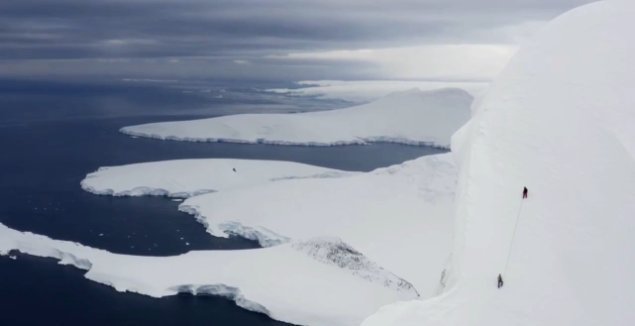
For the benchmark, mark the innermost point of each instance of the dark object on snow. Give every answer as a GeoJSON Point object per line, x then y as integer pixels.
{"type": "Point", "coordinates": [500, 281]}
{"type": "Point", "coordinates": [525, 192]}
{"type": "Point", "coordinates": [234, 169]}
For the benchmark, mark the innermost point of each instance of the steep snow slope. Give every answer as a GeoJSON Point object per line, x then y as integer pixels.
{"type": "Point", "coordinates": [185, 178]}
{"type": "Point", "coordinates": [559, 120]}
{"type": "Point", "coordinates": [315, 282]}
{"type": "Point", "coordinates": [412, 117]}
{"type": "Point", "coordinates": [398, 216]}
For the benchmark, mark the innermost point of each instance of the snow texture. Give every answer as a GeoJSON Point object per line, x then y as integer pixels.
{"type": "Point", "coordinates": [411, 117]}
{"type": "Point", "coordinates": [337, 252]}
{"type": "Point", "coordinates": [186, 178]}
{"type": "Point", "coordinates": [400, 216]}
{"type": "Point", "coordinates": [320, 282]}
{"type": "Point", "coordinates": [558, 120]}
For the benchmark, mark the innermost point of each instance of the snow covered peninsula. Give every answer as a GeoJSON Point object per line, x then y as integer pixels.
{"type": "Point", "coordinates": [410, 117]}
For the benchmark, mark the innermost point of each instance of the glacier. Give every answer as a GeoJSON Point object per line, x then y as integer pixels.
{"type": "Point", "coordinates": [399, 216]}
{"type": "Point", "coordinates": [412, 117]}
{"type": "Point", "coordinates": [320, 281]}
{"type": "Point", "coordinates": [558, 120]}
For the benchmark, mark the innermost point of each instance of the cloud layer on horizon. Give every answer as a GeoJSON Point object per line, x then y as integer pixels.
{"type": "Point", "coordinates": [266, 39]}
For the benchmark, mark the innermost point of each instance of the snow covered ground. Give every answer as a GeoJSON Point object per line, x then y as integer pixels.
{"type": "Point", "coordinates": [559, 120]}
{"type": "Point", "coordinates": [404, 208]}
{"type": "Point", "coordinates": [185, 178]}
{"type": "Point", "coordinates": [320, 281]}
{"type": "Point", "coordinates": [398, 216]}
{"type": "Point", "coordinates": [410, 117]}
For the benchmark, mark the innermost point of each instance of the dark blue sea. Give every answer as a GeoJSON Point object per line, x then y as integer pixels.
{"type": "Point", "coordinates": [53, 133]}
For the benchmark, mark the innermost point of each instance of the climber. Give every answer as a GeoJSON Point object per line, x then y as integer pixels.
{"type": "Point", "coordinates": [500, 281]}
{"type": "Point", "coordinates": [234, 169]}
{"type": "Point", "coordinates": [525, 191]}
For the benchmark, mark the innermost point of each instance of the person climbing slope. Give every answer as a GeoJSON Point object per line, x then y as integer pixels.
{"type": "Point", "coordinates": [500, 276]}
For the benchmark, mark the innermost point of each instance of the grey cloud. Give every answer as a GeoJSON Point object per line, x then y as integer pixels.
{"type": "Point", "coordinates": [226, 30]}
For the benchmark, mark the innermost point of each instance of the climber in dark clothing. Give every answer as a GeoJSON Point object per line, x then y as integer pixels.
{"type": "Point", "coordinates": [525, 192]}
{"type": "Point", "coordinates": [500, 281]}
{"type": "Point", "coordinates": [234, 169]}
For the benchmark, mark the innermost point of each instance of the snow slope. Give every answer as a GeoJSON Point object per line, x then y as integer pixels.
{"type": "Point", "coordinates": [315, 282]}
{"type": "Point", "coordinates": [559, 120]}
{"type": "Point", "coordinates": [398, 216]}
{"type": "Point", "coordinates": [411, 117]}
{"type": "Point", "coordinates": [185, 178]}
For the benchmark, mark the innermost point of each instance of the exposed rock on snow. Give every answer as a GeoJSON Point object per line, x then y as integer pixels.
{"type": "Point", "coordinates": [286, 282]}
{"type": "Point", "coordinates": [410, 117]}
{"type": "Point", "coordinates": [559, 120]}
{"type": "Point", "coordinates": [185, 178]}
{"type": "Point", "coordinates": [335, 251]}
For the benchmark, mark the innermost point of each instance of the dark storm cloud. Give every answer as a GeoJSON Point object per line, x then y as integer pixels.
{"type": "Point", "coordinates": [225, 32]}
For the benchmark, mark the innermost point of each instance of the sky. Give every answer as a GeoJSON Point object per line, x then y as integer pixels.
{"type": "Point", "coordinates": [467, 40]}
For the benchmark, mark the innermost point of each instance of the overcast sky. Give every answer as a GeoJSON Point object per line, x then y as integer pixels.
{"type": "Point", "coordinates": [267, 39]}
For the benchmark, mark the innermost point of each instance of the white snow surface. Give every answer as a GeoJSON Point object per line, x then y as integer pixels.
{"type": "Point", "coordinates": [400, 216]}
{"type": "Point", "coordinates": [185, 178]}
{"type": "Point", "coordinates": [558, 120]}
{"type": "Point", "coordinates": [320, 282]}
{"type": "Point", "coordinates": [410, 117]}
